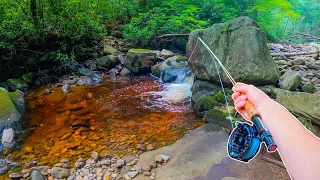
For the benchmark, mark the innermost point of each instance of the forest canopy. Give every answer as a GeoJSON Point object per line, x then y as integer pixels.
{"type": "Point", "coordinates": [140, 21]}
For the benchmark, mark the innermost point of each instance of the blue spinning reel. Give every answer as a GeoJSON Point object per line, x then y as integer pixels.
{"type": "Point", "coordinates": [245, 140]}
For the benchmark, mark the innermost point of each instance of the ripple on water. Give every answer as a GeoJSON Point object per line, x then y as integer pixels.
{"type": "Point", "coordinates": [110, 118]}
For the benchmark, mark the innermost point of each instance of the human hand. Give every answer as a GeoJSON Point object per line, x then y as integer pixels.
{"type": "Point", "coordinates": [243, 93]}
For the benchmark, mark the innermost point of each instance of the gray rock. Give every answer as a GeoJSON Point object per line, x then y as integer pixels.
{"type": "Point", "coordinates": [7, 137]}
{"type": "Point", "coordinates": [140, 61]}
{"type": "Point", "coordinates": [201, 89]}
{"type": "Point", "coordinates": [109, 50]}
{"type": "Point", "coordinates": [58, 172]}
{"type": "Point", "coordinates": [170, 63]}
{"type": "Point", "coordinates": [9, 115]}
{"type": "Point", "coordinates": [217, 117]}
{"type": "Point", "coordinates": [165, 157]}
{"type": "Point", "coordinates": [171, 74]}
{"type": "Point", "coordinates": [37, 175]}
{"type": "Point", "coordinates": [66, 88]}
{"type": "Point", "coordinates": [95, 156]}
{"type": "Point", "coordinates": [18, 100]}
{"type": "Point", "coordinates": [305, 105]}
{"type": "Point", "coordinates": [237, 43]}
{"type": "Point", "coordinates": [166, 53]}
{"type": "Point", "coordinates": [71, 178]}
{"type": "Point", "coordinates": [290, 80]}
{"type": "Point", "coordinates": [108, 62]}
{"type": "Point", "coordinates": [298, 61]}
{"type": "Point", "coordinates": [131, 174]}
{"type": "Point", "coordinates": [15, 175]}
{"type": "Point", "coordinates": [120, 163]}
{"type": "Point", "coordinates": [125, 71]}
{"type": "Point", "coordinates": [104, 162]}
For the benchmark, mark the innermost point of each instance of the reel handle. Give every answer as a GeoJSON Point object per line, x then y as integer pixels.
{"type": "Point", "coordinates": [252, 111]}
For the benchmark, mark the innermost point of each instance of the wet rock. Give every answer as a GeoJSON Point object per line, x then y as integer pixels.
{"type": "Point", "coordinates": [7, 137]}
{"type": "Point", "coordinates": [290, 80]}
{"type": "Point", "coordinates": [66, 88]}
{"type": "Point", "coordinates": [140, 61]}
{"type": "Point", "coordinates": [170, 63]}
{"type": "Point", "coordinates": [17, 84]}
{"type": "Point", "coordinates": [108, 62]}
{"type": "Point", "coordinates": [217, 117]}
{"type": "Point", "coordinates": [9, 115]}
{"type": "Point", "coordinates": [120, 163]}
{"type": "Point", "coordinates": [130, 175]}
{"type": "Point", "coordinates": [109, 50]}
{"type": "Point", "coordinates": [124, 72]}
{"type": "Point", "coordinates": [308, 87]}
{"type": "Point", "coordinates": [166, 53]}
{"type": "Point", "coordinates": [112, 74]}
{"type": "Point", "coordinates": [58, 172]}
{"type": "Point", "coordinates": [79, 163]}
{"type": "Point", "coordinates": [141, 147]}
{"type": "Point", "coordinates": [18, 100]}
{"type": "Point", "coordinates": [37, 175]}
{"type": "Point", "coordinates": [257, 66]}
{"type": "Point", "coordinates": [95, 156]}
{"type": "Point", "coordinates": [205, 104]}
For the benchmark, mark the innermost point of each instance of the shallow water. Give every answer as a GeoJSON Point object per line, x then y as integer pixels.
{"type": "Point", "coordinates": [109, 118]}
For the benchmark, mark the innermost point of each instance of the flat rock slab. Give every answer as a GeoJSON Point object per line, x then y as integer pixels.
{"type": "Point", "coordinates": [202, 155]}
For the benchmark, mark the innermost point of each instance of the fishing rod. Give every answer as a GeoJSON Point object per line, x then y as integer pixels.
{"type": "Point", "coordinates": [245, 139]}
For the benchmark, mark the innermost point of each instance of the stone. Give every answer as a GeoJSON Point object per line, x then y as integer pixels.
{"type": "Point", "coordinates": [205, 104]}
{"type": "Point", "coordinates": [158, 159]}
{"type": "Point", "coordinates": [237, 43]}
{"type": "Point", "coordinates": [146, 167]}
{"type": "Point", "coordinates": [131, 174]}
{"type": "Point", "coordinates": [128, 158]}
{"type": "Point", "coordinates": [172, 62]}
{"type": "Point", "coordinates": [305, 105]}
{"type": "Point", "coordinates": [217, 117]}
{"type": "Point", "coordinates": [7, 137]}
{"type": "Point", "coordinates": [15, 175]}
{"type": "Point", "coordinates": [109, 50]}
{"type": "Point", "coordinates": [313, 66]}
{"type": "Point", "coordinates": [171, 74]}
{"type": "Point", "coordinates": [164, 157]}
{"type": "Point", "coordinates": [140, 61]}
{"type": "Point", "coordinates": [125, 71]}
{"type": "Point", "coordinates": [201, 89]}
{"type": "Point", "coordinates": [308, 87]}
{"type": "Point", "coordinates": [18, 100]}
{"type": "Point", "coordinates": [78, 177]}
{"type": "Point", "coordinates": [9, 114]}
{"type": "Point", "coordinates": [71, 178]}
{"type": "Point", "coordinates": [37, 175]}
{"type": "Point", "coordinates": [141, 147]}
{"type": "Point", "coordinates": [282, 62]}
{"type": "Point", "coordinates": [108, 62]}
{"type": "Point", "coordinates": [298, 61]}
{"type": "Point", "coordinates": [120, 163]}
{"type": "Point", "coordinates": [58, 164]}
{"type": "Point", "coordinates": [17, 84]}
{"type": "Point", "coordinates": [166, 53]}
{"type": "Point", "coordinates": [24, 171]}
{"type": "Point", "coordinates": [85, 178]}
{"type": "Point", "coordinates": [28, 78]}
{"type": "Point", "coordinates": [66, 88]}
{"type": "Point", "coordinates": [95, 156]}
{"type": "Point", "coordinates": [150, 147]}
{"type": "Point", "coordinates": [104, 162]}
{"type": "Point", "coordinates": [136, 168]}
{"type": "Point", "coordinates": [90, 161]}
{"type": "Point", "coordinates": [290, 80]}
{"type": "Point", "coordinates": [146, 173]}
{"type": "Point", "coordinates": [58, 172]}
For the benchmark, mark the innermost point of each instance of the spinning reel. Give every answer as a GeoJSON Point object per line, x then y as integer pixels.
{"type": "Point", "coordinates": [245, 140]}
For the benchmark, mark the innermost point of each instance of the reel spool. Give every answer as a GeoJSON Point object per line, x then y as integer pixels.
{"type": "Point", "coordinates": [245, 140]}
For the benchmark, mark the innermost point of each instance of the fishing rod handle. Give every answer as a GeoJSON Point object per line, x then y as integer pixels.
{"type": "Point", "coordinates": [251, 110]}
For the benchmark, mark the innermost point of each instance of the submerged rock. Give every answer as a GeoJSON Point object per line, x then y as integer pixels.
{"type": "Point", "coordinates": [240, 45]}
{"type": "Point", "coordinates": [9, 115]}
{"type": "Point", "coordinates": [17, 84]}
{"type": "Point", "coordinates": [290, 80]}
{"type": "Point", "coordinates": [140, 60]}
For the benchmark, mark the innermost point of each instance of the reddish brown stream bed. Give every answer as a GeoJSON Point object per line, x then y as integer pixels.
{"type": "Point", "coordinates": [109, 118]}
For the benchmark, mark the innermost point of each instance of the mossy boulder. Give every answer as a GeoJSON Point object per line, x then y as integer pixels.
{"type": "Point", "coordinates": [9, 115]}
{"type": "Point", "coordinates": [217, 117]}
{"type": "Point", "coordinates": [308, 87]}
{"type": "Point", "coordinates": [140, 61]}
{"type": "Point", "coordinates": [17, 84]}
{"type": "Point", "coordinates": [28, 78]}
{"type": "Point", "coordinates": [109, 50]}
{"type": "Point", "coordinates": [108, 62]}
{"type": "Point", "coordinates": [205, 104]}
{"type": "Point", "coordinates": [219, 96]}
{"type": "Point", "coordinates": [290, 80]}
{"type": "Point", "coordinates": [241, 45]}
{"type": "Point", "coordinates": [305, 105]}
{"type": "Point", "coordinates": [201, 89]}
{"type": "Point", "coordinates": [308, 125]}
{"type": "Point", "coordinates": [18, 100]}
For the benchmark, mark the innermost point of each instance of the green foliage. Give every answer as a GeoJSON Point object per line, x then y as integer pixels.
{"type": "Point", "coordinates": [174, 17]}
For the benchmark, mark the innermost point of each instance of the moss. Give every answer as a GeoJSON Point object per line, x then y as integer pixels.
{"type": "Point", "coordinates": [219, 96]}
{"type": "Point", "coordinates": [308, 87]}
{"type": "Point", "coordinates": [308, 125]}
{"type": "Point", "coordinates": [206, 103]}
{"type": "Point", "coordinates": [14, 95]}
{"type": "Point", "coordinates": [17, 84]}
{"type": "Point", "coordinates": [218, 117]}
{"type": "Point", "coordinates": [180, 59]}
{"type": "Point", "coordinates": [169, 63]}
{"type": "Point", "coordinates": [139, 50]}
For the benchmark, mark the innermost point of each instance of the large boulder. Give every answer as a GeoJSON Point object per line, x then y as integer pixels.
{"type": "Point", "coordinates": [201, 89]}
{"type": "Point", "coordinates": [240, 45]}
{"type": "Point", "coordinates": [140, 61]}
{"type": "Point", "coordinates": [305, 105]}
{"type": "Point", "coordinates": [9, 115]}
{"type": "Point", "coordinates": [290, 80]}
{"type": "Point", "coordinates": [172, 62]}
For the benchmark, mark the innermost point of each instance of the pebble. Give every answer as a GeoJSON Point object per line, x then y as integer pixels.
{"type": "Point", "coordinates": [26, 175]}
{"type": "Point", "coordinates": [85, 178]}
{"type": "Point", "coordinates": [165, 157]}
{"type": "Point", "coordinates": [146, 173]}
{"type": "Point", "coordinates": [136, 168]}
{"type": "Point", "coordinates": [150, 147]}
{"type": "Point", "coordinates": [153, 165]}
{"type": "Point", "coordinates": [66, 88]}
{"type": "Point", "coordinates": [114, 175]}
{"type": "Point", "coordinates": [23, 171]}
{"type": "Point", "coordinates": [95, 156]}
{"type": "Point", "coordinates": [120, 163]}
{"type": "Point", "coordinates": [85, 171]}
{"type": "Point", "coordinates": [146, 167]}
{"type": "Point", "coordinates": [82, 174]}
{"type": "Point", "coordinates": [110, 170]}
{"type": "Point", "coordinates": [128, 158]}
{"type": "Point", "coordinates": [141, 147]}
{"type": "Point", "coordinates": [78, 177]}
{"type": "Point", "coordinates": [59, 165]}
{"type": "Point", "coordinates": [100, 174]}
{"type": "Point", "coordinates": [71, 178]}
{"type": "Point", "coordinates": [104, 162]}
{"type": "Point", "coordinates": [99, 170]}
{"type": "Point", "coordinates": [90, 161]}
{"type": "Point", "coordinates": [58, 172]}
{"type": "Point", "coordinates": [152, 177]}
{"type": "Point", "coordinates": [15, 175]}
{"type": "Point", "coordinates": [158, 159]}
{"type": "Point", "coordinates": [100, 178]}
{"type": "Point", "coordinates": [64, 160]}
{"type": "Point", "coordinates": [50, 178]}
{"type": "Point", "coordinates": [133, 162]}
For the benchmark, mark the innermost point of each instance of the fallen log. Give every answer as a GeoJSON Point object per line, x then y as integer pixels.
{"type": "Point", "coordinates": [294, 53]}
{"type": "Point", "coordinates": [174, 36]}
